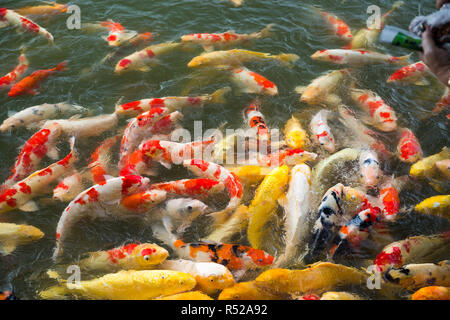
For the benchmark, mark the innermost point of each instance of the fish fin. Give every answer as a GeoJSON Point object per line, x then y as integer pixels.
{"type": "Point", "coordinates": [220, 217]}
{"type": "Point", "coordinates": [144, 69]}
{"type": "Point", "coordinates": [4, 24]}
{"type": "Point", "coordinates": [238, 274]}
{"type": "Point", "coordinates": [219, 95]}
{"type": "Point", "coordinates": [166, 164]}
{"type": "Point", "coordinates": [150, 172]}
{"type": "Point", "coordinates": [53, 153]}
{"type": "Point", "coordinates": [55, 293]}
{"type": "Point", "coordinates": [167, 223]}
{"type": "Point", "coordinates": [7, 248]}
{"type": "Point", "coordinates": [332, 99]}
{"type": "Point", "coordinates": [267, 31]}
{"type": "Point", "coordinates": [282, 201]}
{"type": "Point", "coordinates": [208, 47]}
{"type": "Point", "coordinates": [161, 233]}
{"type": "Point", "coordinates": [422, 82]}
{"type": "Point", "coordinates": [300, 89]}
{"type": "Point", "coordinates": [30, 206]}
{"type": "Point", "coordinates": [404, 60]}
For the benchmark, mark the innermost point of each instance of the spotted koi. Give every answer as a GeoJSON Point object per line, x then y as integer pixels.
{"type": "Point", "coordinates": [16, 74]}
{"type": "Point", "coordinates": [191, 187]}
{"type": "Point", "coordinates": [408, 148]}
{"type": "Point", "coordinates": [16, 20]}
{"type": "Point", "coordinates": [68, 188]}
{"type": "Point", "coordinates": [117, 34]}
{"type": "Point", "coordinates": [255, 119]}
{"type": "Point", "coordinates": [321, 132]}
{"type": "Point", "coordinates": [413, 73]}
{"type": "Point", "coordinates": [100, 159]}
{"type": "Point", "coordinates": [340, 28]}
{"type": "Point", "coordinates": [252, 82]}
{"type": "Point", "coordinates": [357, 57]}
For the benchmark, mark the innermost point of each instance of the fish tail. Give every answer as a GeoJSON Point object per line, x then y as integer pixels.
{"type": "Point", "coordinates": [161, 233]}
{"type": "Point", "coordinates": [288, 58]}
{"type": "Point", "coordinates": [55, 293]}
{"type": "Point", "coordinates": [219, 95]}
{"type": "Point", "coordinates": [403, 61]}
{"type": "Point", "coordinates": [267, 31]}
{"type": "Point", "coordinates": [62, 66]}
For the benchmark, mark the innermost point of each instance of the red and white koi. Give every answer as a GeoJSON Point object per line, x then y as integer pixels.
{"type": "Point", "coordinates": [357, 57]}
{"type": "Point", "coordinates": [101, 158]}
{"type": "Point", "coordinates": [413, 73]}
{"type": "Point", "coordinates": [369, 168]}
{"type": "Point", "coordinates": [214, 171]}
{"type": "Point", "coordinates": [321, 132]}
{"type": "Point", "coordinates": [17, 73]}
{"type": "Point", "coordinates": [142, 60]}
{"type": "Point", "coordinates": [382, 116]}
{"type": "Point", "coordinates": [29, 84]}
{"type": "Point", "coordinates": [252, 82]}
{"type": "Point", "coordinates": [168, 152]}
{"type": "Point", "coordinates": [138, 163]}
{"type": "Point", "coordinates": [134, 108]}
{"type": "Point", "coordinates": [68, 188]}
{"type": "Point", "coordinates": [137, 130]}
{"type": "Point", "coordinates": [143, 202]}
{"type": "Point", "coordinates": [390, 201]}
{"type": "Point", "coordinates": [16, 20]}
{"type": "Point", "coordinates": [408, 250]}
{"type": "Point", "coordinates": [21, 194]}
{"type": "Point", "coordinates": [340, 28]}
{"type": "Point", "coordinates": [233, 256]}
{"type": "Point", "coordinates": [93, 201]}
{"type": "Point", "coordinates": [41, 144]}
{"type": "Point", "coordinates": [117, 34]}
{"type": "Point", "coordinates": [209, 41]}
{"type": "Point", "coordinates": [408, 148]}
{"type": "Point", "coordinates": [191, 187]}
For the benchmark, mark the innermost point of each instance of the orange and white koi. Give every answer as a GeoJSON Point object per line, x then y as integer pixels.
{"type": "Point", "coordinates": [117, 34]}
{"type": "Point", "coordinates": [68, 188]}
{"type": "Point", "coordinates": [211, 170]}
{"type": "Point", "coordinates": [142, 60]}
{"type": "Point", "coordinates": [16, 20]}
{"type": "Point", "coordinates": [390, 201]}
{"type": "Point", "coordinates": [29, 84]}
{"type": "Point", "coordinates": [138, 163]}
{"type": "Point", "coordinates": [233, 256]}
{"type": "Point", "coordinates": [321, 132]}
{"type": "Point", "coordinates": [255, 119]}
{"type": "Point", "coordinates": [172, 104]}
{"type": "Point", "coordinates": [382, 116]}
{"type": "Point", "coordinates": [51, 8]}
{"type": "Point", "coordinates": [191, 187]}
{"type": "Point", "coordinates": [137, 130]}
{"type": "Point", "coordinates": [142, 39]}
{"type": "Point", "coordinates": [31, 116]}
{"type": "Point", "coordinates": [17, 73]}
{"type": "Point", "coordinates": [100, 159]}
{"type": "Point", "coordinates": [413, 73]}
{"type": "Point", "coordinates": [85, 127]}
{"type": "Point", "coordinates": [92, 202]}
{"type": "Point", "coordinates": [411, 249]}
{"type": "Point", "coordinates": [237, 57]}
{"type": "Point", "coordinates": [21, 194]}
{"type": "Point", "coordinates": [252, 82]}
{"type": "Point", "coordinates": [169, 152]}
{"type": "Point", "coordinates": [357, 57]}
{"type": "Point", "coordinates": [41, 144]}
{"type": "Point", "coordinates": [142, 202]}
{"type": "Point", "coordinates": [369, 168]}
{"type": "Point", "coordinates": [322, 89]}
{"type": "Point", "coordinates": [211, 40]}
{"type": "Point", "coordinates": [408, 148]}
{"type": "Point", "coordinates": [340, 28]}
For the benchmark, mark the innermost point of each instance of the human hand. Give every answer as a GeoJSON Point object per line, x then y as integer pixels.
{"type": "Point", "coordinates": [440, 3]}
{"type": "Point", "coordinates": [436, 58]}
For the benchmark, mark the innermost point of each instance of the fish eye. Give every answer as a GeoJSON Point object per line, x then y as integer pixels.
{"type": "Point", "coordinates": [361, 175]}
{"type": "Point", "coordinates": [147, 258]}
{"type": "Point", "coordinates": [260, 260]}
{"type": "Point", "coordinates": [211, 280]}
{"type": "Point", "coordinates": [322, 143]}
{"type": "Point", "coordinates": [189, 208]}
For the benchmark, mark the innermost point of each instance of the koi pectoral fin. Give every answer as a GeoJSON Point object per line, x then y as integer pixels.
{"type": "Point", "coordinates": [7, 248]}
{"type": "Point", "coordinates": [30, 206]}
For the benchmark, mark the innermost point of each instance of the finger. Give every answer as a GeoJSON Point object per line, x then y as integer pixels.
{"type": "Point", "coordinates": [428, 43]}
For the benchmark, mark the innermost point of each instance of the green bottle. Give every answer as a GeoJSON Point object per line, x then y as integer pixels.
{"type": "Point", "coordinates": [401, 38]}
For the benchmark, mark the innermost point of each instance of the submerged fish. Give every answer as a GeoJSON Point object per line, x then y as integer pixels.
{"type": "Point", "coordinates": [437, 205]}
{"type": "Point", "coordinates": [13, 235]}
{"type": "Point", "coordinates": [16, 74]}
{"type": "Point", "coordinates": [413, 73]}
{"type": "Point", "coordinates": [408, 148]}
{"type": "Point", "coordinates": [69, 187]}
{"type": "Point", "coordinates": [16, 20]}
{"type": "Point", "coordinates": [50, 8]}
{"type": "Point", "coordinates": [357, 57]}
{"type": "Point", "coordinates": [427, 166]}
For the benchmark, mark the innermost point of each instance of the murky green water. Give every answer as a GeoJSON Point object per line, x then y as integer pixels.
{"type": "Point", "coordinates": [297, 31]}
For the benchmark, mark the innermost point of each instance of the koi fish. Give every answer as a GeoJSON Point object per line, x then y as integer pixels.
{"type": "Point", "coordinates": [211, 277]}
{"type": "Point", "coordinates": [438, 206]}
{"type": "Point", "coordinates": [142, 38]}
{"type": "Point", "coordinates": [41, 144]}
{"type": "Point", "coordinates": [444, 167]}
{"type": "Point", "coordinates": [233, 256]}
{"type": "Point", "coordinates": [117, 34]}
{"type": "Point", "coordinates": [432, 293]}
{"type": "Point", "coordinates": [51, 8]}
{"type": "Point", "coordinates": [413, 73]}
{"type": "Point", "coordinates": [412, 249]}
{"type": "Point", "coordinates": [416, 276]}
{"type": "Point", "coordinates": [382, 116]}
{"type": "Point", "coordinates": [132, 256]}
{"type": "Point", "coordinates": [390, 201]}
{"type": "Point", "coordinates": [296, 209]}
{"type": "Point", "coordinates": [324, 277]}
{"type": "Point", "coordinates": [138, 164]}
{"type": "Point", "coordinates": [29, 84]}
{"type": "Point", "coordinates": [31, 116]}
{"type": "Point", "coordinates": [126, 285]}
{"type": "Point", "coordinates": [369, 168]}
{"type": "Point", "coordinates": [7, 295]}
{"type": "Point", "coordinates": [237, 57]}
{"type": "Point", "coordinates": [322, 89]}
{"type": "Point", "coordinates": [211, 40]}
{"type": "Point", "coordinates": [21, 194]}
{"type": "Point", "coordinates": [172, 104]}
{"type": "Point", "coordinates": [263, 206]}
{"type": "Point", "coordinates": [251, 82]}
{"type": "Point", "coordinates": [408, 148]}
{"type": "Point", "coordinates": [255, 119]}
{"type": "Point", "coordinates": [68, 188]}
{"type": "Point", "coordinates": [357, 57]}
{"type": "Point", "coordinates": [142, 203]}
{"type": "Point", "coordinates": [321, 132]}
{"type": "Point", "coordinates": [16, 20]}
{"type": "Point", "coordinates": [100, 160]}
{"type": "Point", "coordinates": [427, 166]}
{"type": "Point", "coordinates": [86, 127]}
{"type": "Point", "coordinates": [91, 201]}
{"type": "Point", "coordinates": [443, 103]}
{"type": "Point", "coordinates": [339, 27]}
{"type": "Point", "coordinates": [294, 135]}
{"type": "Point", "coordinates": [250, 174]}
{"type": "Point", "coordinates": [249, 291]}
{"type": "Point", "coordinates": [237, 223]}
{"type": "Point", "coordinates": [211, 170]}
{"type": "Point", "coordinates": [168, 152]}
{"type": "Point", "coordinates": [143, 60]}
{"type": "Point", "coordinates": [13, 235]}
{"type": "Point", "coordinates": [16, 74]}
{"type": "Point", "coordinates": [191, 187]}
